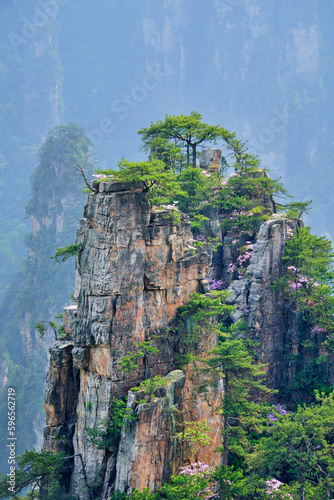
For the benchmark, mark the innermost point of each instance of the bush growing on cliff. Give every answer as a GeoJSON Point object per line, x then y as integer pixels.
{"type": "Point", "coordinates": [160, 183]}
{"type": "Point", "coordinates": [308, 279]}
{"type": "Point", "coordinates": [231, 361]}
{"type": "Point", "coordinates": [42, 471]}
{"type": "Point", "coordinates": [150, 386]}
{"type": "Point", "coordinates": [66, 252]}
{"type": "Point", "coordinates": [298, 449]}
{"type": "Point", "coordinates": [108, 434]}
{"type": "Point", "coordinates": [130, 362]}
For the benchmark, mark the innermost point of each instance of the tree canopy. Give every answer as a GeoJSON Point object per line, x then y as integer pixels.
{"type": "Point", "coordinates": [187, 132]}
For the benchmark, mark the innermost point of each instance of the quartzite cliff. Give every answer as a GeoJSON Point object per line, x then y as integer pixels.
{"type": "Point", "coordinates": [136, 267]}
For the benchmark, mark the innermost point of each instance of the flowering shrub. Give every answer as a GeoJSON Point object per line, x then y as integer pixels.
{"type": "Point", "coordinates": [278, 410]}
{"type": "Point", "coordinates": [273, 486]}
{"type": "Point", "coordinates": [308, 279]}
{"type": "Point", "coordinates": [196, 468]}
{"type": "Point", "coordinates": [202, 470]}
{"type": "Point", "coordinates": [245, 253]}
{"type": "Point", "coordinates": [216, 284]}
{"type": "Point", "coordinates": [99, 176]}
{"type": "Point", "coordinates": [298, 280]}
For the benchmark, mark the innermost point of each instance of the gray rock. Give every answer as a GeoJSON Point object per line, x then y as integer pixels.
{"type": "Point", "coordinates": [210, 158]}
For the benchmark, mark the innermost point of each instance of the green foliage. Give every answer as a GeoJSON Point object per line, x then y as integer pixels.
{"type": "Point", "coordinates": [129, 362]}
{"type": "Point", "coordinates": [231, 361]}
{"type": "Point", "coordinates": [298, 449]}
{"type": "Point", "coordinates": [197, 315]}
{"type": "Point", "coordinates": [64, 253]}
{"type": "Point", "coordinates": [161, 148]}
{"type": "Point", "coordinates": [187, 132]}
{"type": "Point", "coordinates": [42, 472]}
{"type": "Point", "coordinates": [311, 254]}
{"type": "Point", "coordinates": [233, 483]}
{"type": "Point", "coordinates": [242, 160]}
{"type": "Point", "coordinates": [242, 200]}
{"type": "Point", "coordinates": [161, 184]}
{"type": "Point", "coordinates": [295, 210]}
{"type": "Point", "coordinates": [108, 434]}
{"type": "Point", "coordinates": [245, 198]}
{"type": "Point", "coordinates": [193, 437]}
{"type": "Point", "coordinates": [181, 487]}
{"type": "Point", "coordinates": [202, 189]}
{"type": "Point", "coordinates": [201, 306]}
{"type": "Point", "coordinates": [198, 221]}
{"type": "Point", "coordinates": [51, 327]}
{"type": "Point", "coordinates": [174, 216]}
{"type": "Point", "coordinates": [184, 487]}
{"type": "Point", "coordinates": [308, 279]}
{"type": "Point", "coordinates": [150, 386]}
{"type": "Point", "coordinates": [185, 359]}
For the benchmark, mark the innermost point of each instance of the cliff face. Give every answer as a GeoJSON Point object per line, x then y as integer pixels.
{"type": "Point", "coordinates": [136, 267]}
{"type": "Point", "coordinates": [280, 332]}
{"type": "Point", "coordinates": [263, 306]}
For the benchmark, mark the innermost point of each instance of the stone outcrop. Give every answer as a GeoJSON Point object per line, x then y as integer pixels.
{"type": "Point", "coordinates": [156, 418]}
{"type": "Point", "coordinates": [280, 332]}
{"type": "Point", "coordinates": [210, 159]}
{"type": "Point", "coordinates": [136, 267]}
{"type": "Point", "coordinates": [260, 303]}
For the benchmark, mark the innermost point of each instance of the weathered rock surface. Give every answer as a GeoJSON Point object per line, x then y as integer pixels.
{"type": "Point", "coordinates": [134, 270]}
{"type": "Point", "coordinates": [259, 302]}
{"type": "Point", "coordinates": [210, 159]}
{"type": "Point", "coordinates": [156, 419]}
{"type": "Point", "coordinates": [277, 329]}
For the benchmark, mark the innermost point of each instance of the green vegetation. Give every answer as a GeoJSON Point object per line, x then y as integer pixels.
{"type": "Point", "coordinates": [150, 386]}
{"type": "Point", "coordinates": [297, 448]}
{"type": "Point", "coordinates": [50, 327]}
{"type": "Point", "coordinates": [308, 279]}
{"type": "Point", "coordinates": [267, 451]}
{"type": "Point", "coordinates": [185, 132]}
{"type": "Point", "coordinates": [43, 472]}
{"type": "Point", "coordinates": [193, 436]}
{"type": "Point", "coordinates": [232, 362]}
{"type": "Point", "coordinates": [161, 185]}
{"type": "Point", "coordinates": [169, 179]}
{"type": "Point", "coordinates": [41, 287]}
{"type": "Point", "coordinates": [64, 253]}
{"type": "Point", "coordinates": [130, 362]}
{"type": "Point", "coordinates": [108, 434]}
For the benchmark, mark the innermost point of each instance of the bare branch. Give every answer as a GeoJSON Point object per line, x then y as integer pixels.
{"type": "Point", "coordinates": [80, 169]}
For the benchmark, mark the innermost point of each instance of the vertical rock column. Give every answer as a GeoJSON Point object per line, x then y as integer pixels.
{"type": "Point", "coordinates": [262, 304]}
{"type": "Point", "coordinates": [134, 270]}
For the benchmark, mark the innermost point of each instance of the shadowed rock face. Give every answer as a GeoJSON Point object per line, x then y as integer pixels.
{"type": "Point", "coordinates": [260, 303]}
{"type": "Point", "coordinates": [275, 326]}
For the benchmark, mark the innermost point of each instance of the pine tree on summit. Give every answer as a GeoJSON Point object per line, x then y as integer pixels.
{"type": "Point", "coordinates": [187, 131]}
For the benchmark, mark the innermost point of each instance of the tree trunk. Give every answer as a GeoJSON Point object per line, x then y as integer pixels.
{"type": "Point", "coordinates": [225, 436]}
{"type": "Point", "coordinates": [188, 155]}
{"type": "Point", "coordinates": [194, 155]}
{"type": "Point", "coordinates": [225, 442]}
